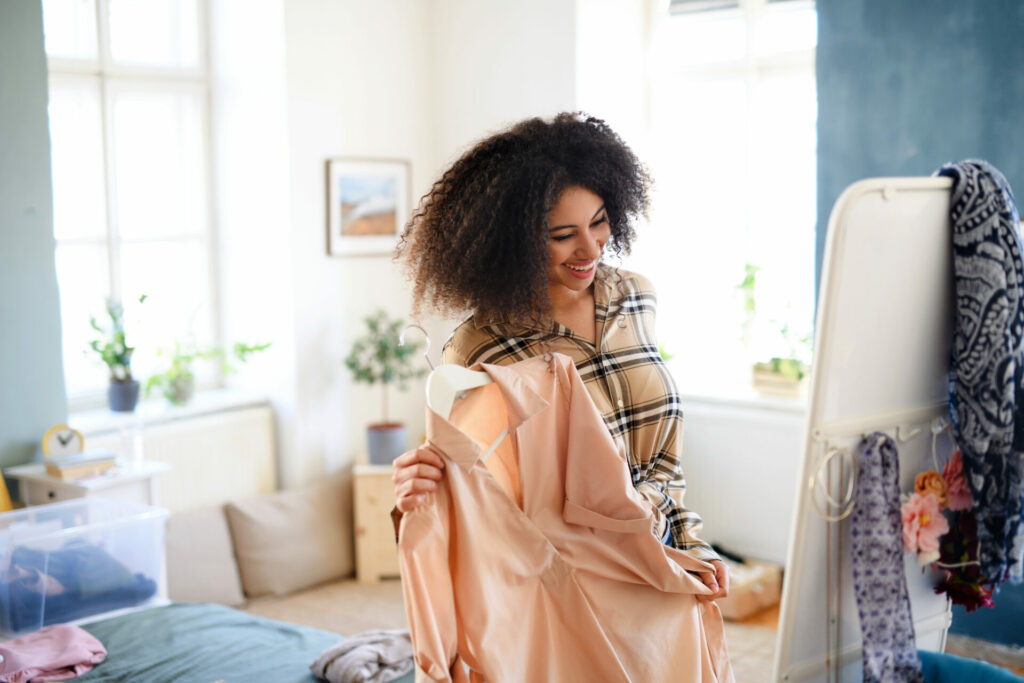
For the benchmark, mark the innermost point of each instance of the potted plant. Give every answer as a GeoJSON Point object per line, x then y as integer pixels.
{"type": "Point", "coordinates": [377, 357]}
{"type": "Point", "coordinates": [177, 382]}
{"type": "Point", "coordinates": [781, 375]}
{"type": "Point", "coordinates": [123, 392]}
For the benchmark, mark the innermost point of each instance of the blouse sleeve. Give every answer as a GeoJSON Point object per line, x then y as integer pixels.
{"type": "Point", "coordinates": [684, 524]}
{"type": "Point", "coordinates": [661, 480]}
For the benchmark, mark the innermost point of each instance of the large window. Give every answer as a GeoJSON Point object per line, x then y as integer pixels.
{"type": "Point", "coordinates": [130, 137]}
{"type": "Point", "coordinates": [734, 125]}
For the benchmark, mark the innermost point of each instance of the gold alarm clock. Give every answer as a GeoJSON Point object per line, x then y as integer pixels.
{"type": "Point", "coordinates": [61, 440]}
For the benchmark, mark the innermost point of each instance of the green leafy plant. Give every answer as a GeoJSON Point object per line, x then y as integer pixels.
{"type": "Point", "coordinates": [177, 382]}
{"type": "Point", "coordinates": [794, 365]}
{"type": "Point", "coordinates": [112, 346]}
{"type": "Point", "coordinates": [747, 287]}
{"type": "Point", "coordinates": [790, 368]}
{"type": "Point", "coordinates": [377, 357]}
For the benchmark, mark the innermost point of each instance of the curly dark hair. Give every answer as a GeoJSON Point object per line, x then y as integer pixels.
{"type": "Point", "coordinates": [478, 241]}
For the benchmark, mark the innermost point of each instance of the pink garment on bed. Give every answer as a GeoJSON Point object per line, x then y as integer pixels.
{"type": "Point", "coordinates": [570, 585]}
{"type": "Point", "coordinates": [53, 653]}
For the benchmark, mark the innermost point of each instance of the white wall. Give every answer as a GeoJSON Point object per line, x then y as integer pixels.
{"type": "Point", "coordinates": [358, 85]}
{"type": "Point", "coordinates": [250, 125]}
{"type": "Point", "coordinates": [612, 65]}
{"type": "Point", "coordinates": [496, 62]}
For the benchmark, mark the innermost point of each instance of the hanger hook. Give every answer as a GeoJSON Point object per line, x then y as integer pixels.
{"type": "Point", "coordinates": [939, 426]}
{"type": "Point", "coordinates": [901, 432]}
{"type": "Point", "coordinates": [426, 351]}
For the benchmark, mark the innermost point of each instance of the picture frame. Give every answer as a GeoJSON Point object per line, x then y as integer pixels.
{"type": "Point", "coordinates": [367, 205]}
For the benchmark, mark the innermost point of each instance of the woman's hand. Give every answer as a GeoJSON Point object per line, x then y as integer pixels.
{"type": "Point", "coordinates": [719, 583]}
{"type": "Point", "coordinates": [416, 473]}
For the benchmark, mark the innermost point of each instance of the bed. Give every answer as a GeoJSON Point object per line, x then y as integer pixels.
{"type": "Point", "coordinates": [204, 643]}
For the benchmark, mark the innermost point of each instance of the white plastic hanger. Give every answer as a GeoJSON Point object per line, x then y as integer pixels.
{"type": "Point", "coordinates": [448, 383]}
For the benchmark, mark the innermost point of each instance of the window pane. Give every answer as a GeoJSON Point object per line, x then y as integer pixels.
{"type": "Point", "coordinates": [70, 28]}
{"type": "Point", "coordinates": [175, 278]}
{"type": "Point", "coordinates": [692, 39]}
{"type": "Point", "coordinates": [76, 146]}
{"type": "Point", "coordinates": [159, 163]}
{"type": "Point", "coordinates": [690, 251]}
{"type": "Point", "coordinates": [155, 32]}
{"type": "Point", "coordinates": [785, 29]}
{"type": "Point", "coordinates": [82, 276]}
{"type": "Point", "coordinates": [783, 160]}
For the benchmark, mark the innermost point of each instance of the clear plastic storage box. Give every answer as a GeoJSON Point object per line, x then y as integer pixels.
{"type": "Point", "coordinates": [76, 559]}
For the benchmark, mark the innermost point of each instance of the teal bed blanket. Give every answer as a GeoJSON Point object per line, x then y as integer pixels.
{"type": "Point", "coordinates": [203, 643]}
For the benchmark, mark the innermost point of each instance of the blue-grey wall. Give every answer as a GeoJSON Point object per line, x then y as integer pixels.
{"type": "Point", "coordinates": [31, 367]}
{"type": "Point", "coordinates": [903, 87]}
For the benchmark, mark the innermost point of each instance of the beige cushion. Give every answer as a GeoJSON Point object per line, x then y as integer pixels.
{"type": "Point", "coordinates": [200, 559]}
{"type": "Point", "coordinates": [295, 539]}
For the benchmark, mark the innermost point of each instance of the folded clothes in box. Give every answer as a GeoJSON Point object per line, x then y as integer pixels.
{"type": "Point", "coordinates": [755, 586]}
{"type": "Point", "coordinates": [78, 558]}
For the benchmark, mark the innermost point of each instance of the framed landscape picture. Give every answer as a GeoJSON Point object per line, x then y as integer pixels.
{"type": "Point", "coordinates": [367, 205]}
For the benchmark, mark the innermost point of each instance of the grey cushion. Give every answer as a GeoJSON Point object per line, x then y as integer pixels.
{"type": "Point", "coordinates": [200, 558]}
{"type": "Point", "coordinates": [294, 539]}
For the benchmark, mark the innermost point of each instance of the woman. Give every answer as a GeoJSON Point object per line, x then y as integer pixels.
{"type": "Point", "coordinates": [514, 231]}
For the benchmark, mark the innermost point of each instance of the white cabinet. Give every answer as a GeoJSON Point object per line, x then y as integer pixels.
{"type": "Point", "coordinates": [137, 484]}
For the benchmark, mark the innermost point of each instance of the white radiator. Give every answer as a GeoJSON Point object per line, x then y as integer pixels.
{"type": "Point", "coordinates": [214, 457]}
{"type": "Point", "coordinates": [741, 465]}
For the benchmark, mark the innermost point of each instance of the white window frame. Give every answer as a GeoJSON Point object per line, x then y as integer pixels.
{"type": "Point", "coordinates": [110, 76]}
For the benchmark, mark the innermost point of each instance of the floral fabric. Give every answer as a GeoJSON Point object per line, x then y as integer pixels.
{"type": "Point", "coordinates": [887, 630]}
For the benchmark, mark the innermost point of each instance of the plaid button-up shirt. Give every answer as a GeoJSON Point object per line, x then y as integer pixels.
{"type": "Point", "coordinates": [627, 379]}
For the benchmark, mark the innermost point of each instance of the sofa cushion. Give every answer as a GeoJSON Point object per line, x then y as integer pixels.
{"type": "Point", "coordinates": [293, 539]}
{"type": "Point", "coordinates": [200, 559]}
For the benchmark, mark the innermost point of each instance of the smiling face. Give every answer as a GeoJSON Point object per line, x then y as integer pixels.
{"type": "Point", "coordinates": [579, 229]}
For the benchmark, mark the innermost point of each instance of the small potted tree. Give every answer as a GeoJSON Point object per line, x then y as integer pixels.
{"type": "Point", "coordinates": [177, 381]}
{"type": "Point", "coordinates": [377, 357]}
{"type": "Point", "coordinates": [123, 392]}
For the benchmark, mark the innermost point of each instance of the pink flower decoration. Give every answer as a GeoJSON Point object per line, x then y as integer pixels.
{"type": "Point", "coordinates": [956, 483]}
{"type": "Point", "coordinates": [923, 524]}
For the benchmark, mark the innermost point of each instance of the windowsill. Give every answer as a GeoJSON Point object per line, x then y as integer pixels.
{"type": "Point", "coordinates": [160, 411]}
{"type": "Point", "coordinates": [748, 399]}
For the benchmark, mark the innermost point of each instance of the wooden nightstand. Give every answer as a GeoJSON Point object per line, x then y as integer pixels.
{"type": "Point", "coordinates": [376, 551]}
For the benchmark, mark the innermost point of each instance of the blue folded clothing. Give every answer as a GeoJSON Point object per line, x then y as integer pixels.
{"type": "Point", "coordinates": [51, 587]}
{"type": "Point", "coordinates": [940, 667]}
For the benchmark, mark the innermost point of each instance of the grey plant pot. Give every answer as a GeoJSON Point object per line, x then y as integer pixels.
{"type": "Point", "coordinates": [122, 396]}
{"type": "Point", "coordinates": [385, 442]}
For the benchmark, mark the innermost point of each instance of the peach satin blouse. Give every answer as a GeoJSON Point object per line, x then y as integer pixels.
{"type": "Point", "coordinates": [541, 564]}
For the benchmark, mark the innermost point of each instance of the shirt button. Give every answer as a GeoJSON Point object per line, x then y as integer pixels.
{"type": "Point", "coordinates": [621, 404]}
{"type": "Point", "coordinates": [622, 322]}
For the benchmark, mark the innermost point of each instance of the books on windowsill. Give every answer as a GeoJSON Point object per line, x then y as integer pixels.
{"type": "Point", "coordinates": [81, 465]}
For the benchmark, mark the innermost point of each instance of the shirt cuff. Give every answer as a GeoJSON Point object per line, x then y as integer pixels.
{"type": "Point", "coordinates": [702, 552]}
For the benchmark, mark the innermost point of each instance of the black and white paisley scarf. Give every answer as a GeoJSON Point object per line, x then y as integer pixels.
{"type": "Point", "coordinates": [986, 380]}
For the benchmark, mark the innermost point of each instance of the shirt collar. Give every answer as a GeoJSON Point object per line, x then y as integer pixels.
{"type": "Point", "coordinates": [522, 403]}
{"type": "Point", "coordinates": [605, 280]}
